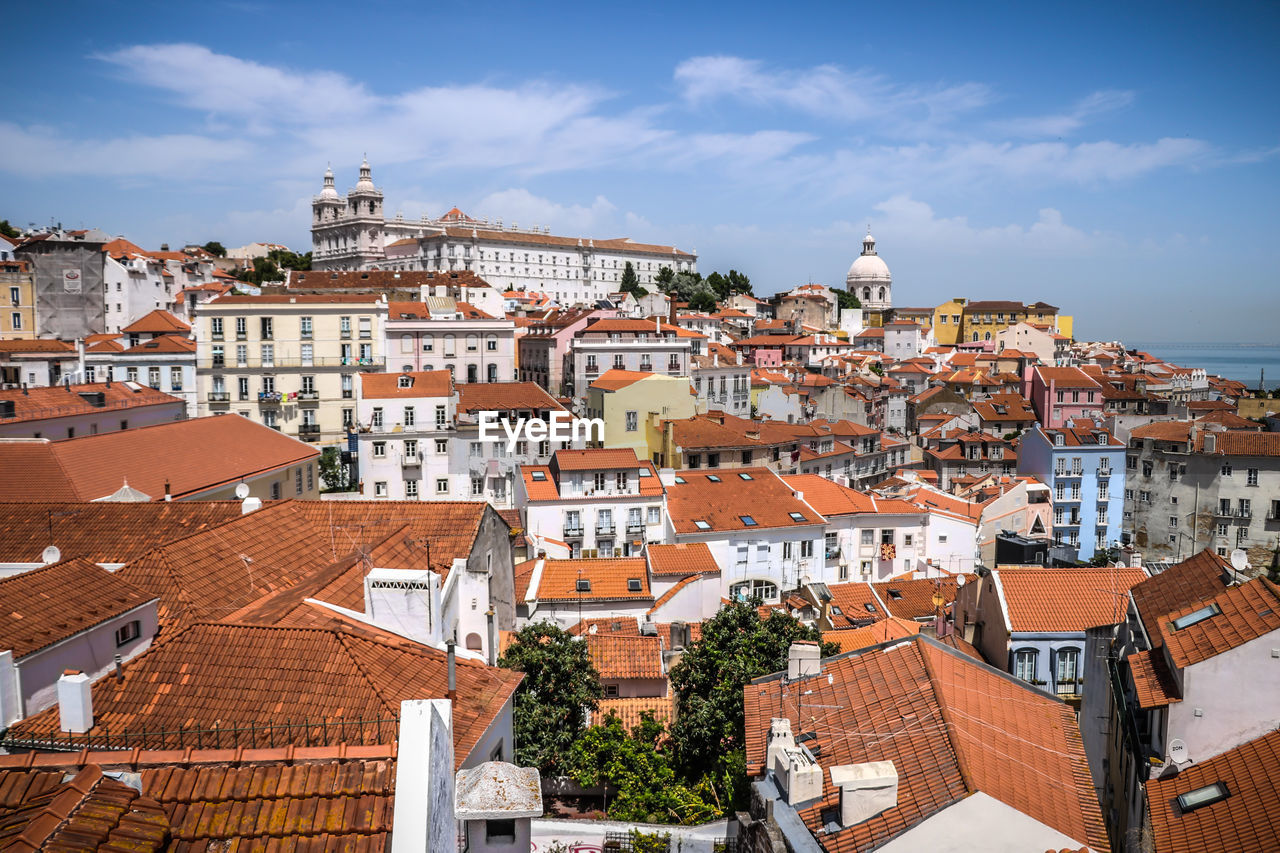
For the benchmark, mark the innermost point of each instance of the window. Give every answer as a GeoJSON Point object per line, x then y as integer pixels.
{"type": "Point", "coordinates": [491, 343]}
{"type": "Point", "coordinates": [1066, 672]}
{"type": "Point", "coordinates": [275, 487]}
{"type": "Point", "coordinates": [379, 449]}
{"type": "Point", "coordinates": [806, 549]}
{"type": "Point", "coordinates": [1196, 616]}
{"type": "Point", "coordinates": [655, 515]}
{"type": "Point", "coordinates": [868, 537]}
{"type": "Point", "coordinates": [1226, 469]}
{"type": "Point", "coordinates": [128, 632]}
{"type": "Point", "coordinates": [380, 489]}
{"type": "Point", "coordinates": [633, 422]}
{"type": "Point", "coordinates": [377, 417]}
{"type": "Point", "coordinates": [348, 418]}
{"type": "Point", "coordinates": [746, 590]}
{"type": "Point", "coordinates": [267, 325]}
{"type": "Point", "coordinates": [304, 326]}
{"type": "Point", "coordinates": [242, 328]}
{"type": "Point", "coordinates": [747, 520]}
{"type": "Point", "coordinates": [442, 485]}
{"type": "Point", "coordinates": [268, 355]}
{"type": "Point", "coordinates": [1024, 664]}
{"type": "Point", "coordinates": [410, 416]}
{"type": "Point", "coordinates": [700, 524]}
{"type": "Point", "coordinates": [623, 481]}
{"type": "Point", "coordinates": [1252, 477]}
{"type": "Point", "coordinates": [477, 486]}
{"type": "Point", "coordinates": [242, 386]}
{"type": "Point", "coordinates": [1201, 797]}
{"type": "Point", "coordinates": [366, 328]}
{"type": "Point", "coordinates": [411, 489]}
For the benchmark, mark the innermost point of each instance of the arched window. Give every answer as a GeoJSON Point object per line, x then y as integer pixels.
{"type": "Point", "coordinates": [975, 337]}
{"type": "Point", "coordinates": [406, 343]}
{"type": "Point", "coordinates": [471, 373]}
{"type": "Point", "coordinates": [493, 373]}
{"type": "Point", "coordinates": [866, 294]}
{"type": "Point", "coordinates": [754, 588]}
{"type": "Point", "coordinates": [987, 337]}
{"type": "Point", "coordinates": [473, 642]}
{"type": "Point", "coordinates": [882, 294]}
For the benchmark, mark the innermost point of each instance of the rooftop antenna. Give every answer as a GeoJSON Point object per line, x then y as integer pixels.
{"type": "Point", "coordinates": [248, 567]}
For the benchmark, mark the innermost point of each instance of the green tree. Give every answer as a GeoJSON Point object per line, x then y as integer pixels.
{"type": "Point", "coordinates": [630, 283]}
{"type": "Point", "coordinates": [846, 299]}
{"type": "Point", "coordinates": [8, 230]}
{"type": "Point", "coordinates": [560, 684]}
{"type": "Point", "coordinates": [213, 247]}
{"type": "Point", "coordinates": [738, 282]}
{"type": "Point", "coordinates": [664, 278]}
{"type": "Point", "coordinates": [639, 773]}
{"type": "Point", "coordinates": [334, 473]}
{"type": "Point", "coordinates": [736, 646]}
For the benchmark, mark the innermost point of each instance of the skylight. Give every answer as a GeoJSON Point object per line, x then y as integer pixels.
{"type": "Point", "coordinates": [538, 476]}
{"type": "Point", "coordinates": [633, 584]}
{"type": "Point", "coordinates": [584, 585]}
{"type": "Point", "coordinates": [1196, 616]}
{"type": "Point", "coordinates": [747, 520]}
{"type": "Point", "coordinates": [701, 525]}
{"type": "Point", "coordinates": [1201, 797]}
{"type": "Point", "coordinates": [680, 480]}
{"type": "Point", "coordinates": [870, 608]}
{"type": "Point", "coordinates": [895, 595]}
{"type": "Point", "coordinates": [797, 516]}
{"type": "Point", "coordinates": [712, 478]}
{"type": "Point", "coordinates": [745, 476]}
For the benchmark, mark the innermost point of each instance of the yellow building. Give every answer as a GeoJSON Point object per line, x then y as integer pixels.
{"type": "Point", "coordinates": [963, 321]}
{"type": "Point", "coordinates": [633, 404]}
{"type": "Point", "coordinates": [18, 295]}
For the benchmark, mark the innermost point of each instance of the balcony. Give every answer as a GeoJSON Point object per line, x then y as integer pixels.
{"type": "Point", "coordinates": [635, 528]}
{"type": "Point", "coordinates": [308, 396]}
{"type": "Point", "coordinates": [219, 396]}
{"type": "Point", "coordinates": [269, 398]}
{"type": "Point", "coordinates": [604, 529]}
{"type": "Point", "coordinates": [411, 460]}
{"type": "Point", "coordinates": [309, 432]}
{"type": "Point", "coordinates": [573, 532]}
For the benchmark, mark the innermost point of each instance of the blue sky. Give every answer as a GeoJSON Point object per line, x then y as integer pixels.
{"type": "Point", "coordinates": [1121, 161]}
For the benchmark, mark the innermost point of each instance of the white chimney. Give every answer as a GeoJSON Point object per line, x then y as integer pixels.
{"type": "Point", "coordinates": [865, 790]}
{"type": "Point", "coordinates": [405, 602]}
{"type": "Point", "coordinates": [796, 770]}
{"type": "Point", "coordinates": [75, 702]}
{"type": "Point", "coordinates": [667, 476]}
{"type": "Point", "coordinates": [249, 505]}
{"type": "Point", "coordinates": [423, 815]}
{"type": "Point", "coordinates": [804, 658]}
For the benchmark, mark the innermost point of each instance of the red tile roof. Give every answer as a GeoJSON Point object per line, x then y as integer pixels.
{"type": "Point", "coordinates": [1065, 600]}
{"type": "Point", "coordinates": [213, 676]}
{"type": "Point", "coordinates": [852, 639]}
{"type": "Point", "coordinates": [628, 711]}
{"type": "Point", "coordinates": [609, 580]}
{"type": "Point", "coordinates": [1195, 579]}
{"type": "Point", "coordinates": [857, 603]}
{"type": "Point", "coordinates": [321, 799]}
{"type": "Point", "coordinates": [764, 497]}
{"type": "Point", "coordinates": [45, 606]}
{"type": "Point", "coordinates": [830, 498]}
{"type": "Point", "coordinates": [163, 344]}
{"type": "Point", "coordinates": [37, 345]}
{"type": "Point", "coordinates": [87, 812]}
{"type": "Point", "coordinates": [1246, 612]}
{"type": "Point", "coordinates": [911, 598]}
{"type": "Point", "coordinates": [426, 383]}
{"type": "Point", "coordinates": [375, 280]}
{"type": "Point", "coordinates": [1245, 820]}
{"type": "Point", "coordinates": [193, 456]}
{"type": "Point", "coordinates": [950, 725]}
{"type": "Point", "coordinates": [683, 558]}
{"type": "Point", "coordinates": [1152, 680]}
{"type": "Point", "coordinates": [595, 458]}
{"type": "Point", "coordinates": [105, 531]}
{"type": "Point", "coordinates": [615, 379]}
{"type": "Point", "coordinates": [64, 401]}
{"type": "Point", "coordinates": [621, 657]}
{"type": "Point", "coordinates": [157, 322]}
{"type": "Point", "coordinates": [1067, 377]}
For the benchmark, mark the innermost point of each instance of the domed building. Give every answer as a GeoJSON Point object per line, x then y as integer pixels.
{"type": "Point", "coordinates": [869, 279]}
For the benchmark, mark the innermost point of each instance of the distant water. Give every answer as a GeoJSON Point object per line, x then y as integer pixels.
{"type": "Point", "coordinates": [1229, 360]}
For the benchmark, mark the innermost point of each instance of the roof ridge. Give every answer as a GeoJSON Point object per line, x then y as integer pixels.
{"type": "Point", "coordinates": [388, 705]}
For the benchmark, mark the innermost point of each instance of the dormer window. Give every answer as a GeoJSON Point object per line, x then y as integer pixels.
{"type": "Point", "coordinates": [633, 584]}
{"type": "Point", "coordinates": [583, 585]}
{"type": "Point", "coordinates": [405, 382]}
{"type": "Point", "coordinates": [1059, 440]}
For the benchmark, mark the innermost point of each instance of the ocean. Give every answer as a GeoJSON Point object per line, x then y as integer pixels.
{"type": "Point", "coordinates": [1229, 360]}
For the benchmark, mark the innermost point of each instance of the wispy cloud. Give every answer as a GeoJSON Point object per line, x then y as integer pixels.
{"type": "Point", "coordinates": [1064, 124]}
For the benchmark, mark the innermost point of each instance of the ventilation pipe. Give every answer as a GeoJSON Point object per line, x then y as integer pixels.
{"type": "Point", "coordinates": [452, 693]}
{"type": "Point", "coordinates": [493, 638]}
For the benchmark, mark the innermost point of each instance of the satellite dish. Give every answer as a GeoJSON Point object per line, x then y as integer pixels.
{"type": "Point", "coordinates": [1178, 751]}
{"type": "Point", "coordinates": [960, 580]}
{"type": "Point", "coordinates": [51, 555]}
{"type": "Point", "coordinates": [242, 491]}
{"type": "Point", "coordinates": [1239, 560]}
{"type": "Point", "coordinates": [578, 407]}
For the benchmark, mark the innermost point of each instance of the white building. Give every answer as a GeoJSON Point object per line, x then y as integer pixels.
{"type": "Point", "coordinates": [351, 232]}
{"type": "Point", "coordinates": [869, 279]}
{"type": "Point", "coordinates": [645, 346]}
{"type": "Point", "coordinates": [444, 334]}
{"type": "Point", "coordinates": [592, 503]}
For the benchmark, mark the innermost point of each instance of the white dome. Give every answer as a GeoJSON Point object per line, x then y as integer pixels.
{"type": "Point", "coordinates": [869, 269]}
{"type": "Point", "coordinates": [365, 184]}
{"type": "Point", "coordinates": [329, 191]}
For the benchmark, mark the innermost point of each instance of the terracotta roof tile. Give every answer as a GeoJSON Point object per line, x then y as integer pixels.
{"type": "Point", "coordinates": [608, 579]}
{"type": "Point", "coordinates": [628, 711]}
{"type": "Point", "coordinates": [620, 657]}
{"type": "Point", "coordinates": [234, 678]}
{"type": "Point", "coordinates": [857, 603]}
{"type": "Point", "coordinates": [63, 401]}
{"type": "Point", "coordinates": [387, 386]}
{"type": "Point", "coordinates": [192, 455]}
{"type": "Point", "coordinates": [1197, 578]}
{"type": "Point", "coordinates": [88, 812]}
{"type": "Point", "coordinates": [45, 606]}
{"type": "Point", "coordinates": [1152, 681]}
{"type": "Point", "coordinates": [164, 344]}
{"type": "Point", "coordinates": [1067, 377]}
{"type": "Point", "coordinates": [910, 598]}
{"type": "Point", "coordinates": [157, 322]}
{"type": "Point", "coordinates": [37, 345]}
{"type": "Point", "coordinates": [757, 494]}
{"type": "Point", "coordinates": [503, 396]}
{"type": "Point", "coordinates": [957, 725]}
{"type": "Point", "coordinates": [615, 379]}
{"type": "Point", "coordinates": [105, 531]}
{"type": "Point", "coordinates": [1244, 613]}
{"type": "Point", "coordinates": [682, 558]}
{"type": "Point", "coordinates": [1245, 820]}
{"type": "Point", "coordinates": [1056, 600]}
{"type": "Point", "coordinates": [595, 458]}
{"type": "Point", "coordinates": [852, 639]}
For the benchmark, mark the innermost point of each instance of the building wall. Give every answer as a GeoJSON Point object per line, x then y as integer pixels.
{"type": "Point", "coordinates": [629, 412]}
{"type": "Point", "coordinates": [1089, 519]}
{"type": "Point", "coordinates": [667, 355]}
{"type": "Point", "coordinates": [473, 350]}
{"type": "Point", "coordinates": [67, 308]}
{"type": "Point", "coordinates": [92, 652]}
{"type": "Point", "coordinates": [1215, 714]}
{"type": "Point", "coordinates": [95, 421]}
{"type": "Point", "coordinates": [762, 555]}
{"type": "Point", "coordinates": [321, 417]}
{"type": "Point", "coordinates": [177, 373]}
{"type": "Point", "coordinates": [17, 315]}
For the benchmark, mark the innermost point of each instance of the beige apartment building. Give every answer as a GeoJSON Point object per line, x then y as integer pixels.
{"type": "Point", "coordinates": [289, 361]}
{"type": "Point", "coordinates": [18, 296]}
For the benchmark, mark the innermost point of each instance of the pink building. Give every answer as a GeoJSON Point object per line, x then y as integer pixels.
{"type": "Point", "coordinates": [1060, 394]}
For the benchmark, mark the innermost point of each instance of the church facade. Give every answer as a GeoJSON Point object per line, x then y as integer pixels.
{"type": "Point", "coordinates": [869, 280]}
{"type": "Point", "coordinates": [352, 232]}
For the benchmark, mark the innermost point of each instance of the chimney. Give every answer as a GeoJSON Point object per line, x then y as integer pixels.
{"type": "Point", "coordinates": [1210, 442]}
{"type": "Point", "coordinates": [119, 668]}
{"type": "Point", "coordinates": [452, 693]}
{"type": "Point", "coordinates": [804, 658]}
{"type": "Point", "coordinates": [168, 493]}
{"type": "Point", "coordinates": [865, 790]}
{"type": "Point", "coordinates": [493, 639]}
{"type": "Point", "coordinates": [248, 505]}
{"type": "Point", "coordinates": [794, 767]}
{"type": "Point", "coordinates": [657, 322]}
{"type": "Point", "coordinates": [667, 476]}
{"type": "Point", "coordinates": [75, 702]}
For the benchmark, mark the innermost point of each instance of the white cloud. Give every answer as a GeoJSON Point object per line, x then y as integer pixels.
{"type": "Point", "coordinates": [42, 151]}
{"type": "Point", "coordinates": [519, 206]}
{"type": "Point", "coordinates": [1064, 124]}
